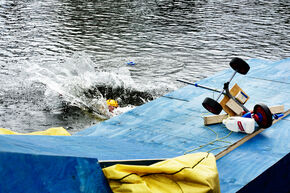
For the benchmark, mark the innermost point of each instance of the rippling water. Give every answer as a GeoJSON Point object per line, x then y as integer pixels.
{"type": "Point", "coordinates": [60, 59]}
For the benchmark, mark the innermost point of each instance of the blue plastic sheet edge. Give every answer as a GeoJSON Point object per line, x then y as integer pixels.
{"type": "Point", "coordinates": [32, 173]}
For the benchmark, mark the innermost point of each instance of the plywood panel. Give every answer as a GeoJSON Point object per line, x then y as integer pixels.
{"type": "Point", "coordinates": [234, 91]}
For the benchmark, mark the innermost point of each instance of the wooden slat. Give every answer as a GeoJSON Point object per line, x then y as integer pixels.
{"type": "Point", "coordinates": [234, 107]}
{"type": "Point", "coordinates": [277, 109]}
{"type": "Point", "coordinates": [246, 138]}
{"type": "Point", "coordinates": [214, 119]}
{"type": "Point", "coordinates": [234, 91]}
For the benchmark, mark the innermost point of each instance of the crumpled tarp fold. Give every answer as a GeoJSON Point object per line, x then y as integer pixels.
{"type": "Point", "coordinates": [185, 174]}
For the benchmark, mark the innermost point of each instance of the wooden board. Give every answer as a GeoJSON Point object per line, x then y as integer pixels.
{"type": "Point", "coordinates": [214, 119]}
{"type": "Point", "coordinates": [246, 138]}
{"type": "Point", "coordinates": [234, 91]}
{"type": "Point", "coordinates": [277, 109]}
{"type": "Point", "coordinates": [235, 107]}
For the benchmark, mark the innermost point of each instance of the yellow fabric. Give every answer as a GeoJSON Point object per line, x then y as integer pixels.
{"type": "Point", "coordinates": [51, 131]}
{"type": "Point", "coordinates": [185, 174]}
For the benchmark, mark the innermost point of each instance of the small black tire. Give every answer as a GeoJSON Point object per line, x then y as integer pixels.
{"type": "Point", "coordinates": [240, 66]}
{"type": "Point", "coordinates": [212, 106]}
{"type": "Point", "coordinates": [264, 112]}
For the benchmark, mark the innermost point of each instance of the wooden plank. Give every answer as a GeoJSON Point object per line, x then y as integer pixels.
{"type": "Point", "coordinates": [277, 109]}
{"type": "Point", "coordinates": [234, 91]}
{"type": "Point", "coordinates": [246, 138]}
{"type": "Point", "coordinates": [235, 107]}
{"type": "Point", "coordinates": [215, 119]}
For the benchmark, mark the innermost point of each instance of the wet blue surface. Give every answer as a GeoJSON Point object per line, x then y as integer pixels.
{"type": "Point", "coordinates": [23, 172]}
{"type": "Point", "coordinates": [175, 120]}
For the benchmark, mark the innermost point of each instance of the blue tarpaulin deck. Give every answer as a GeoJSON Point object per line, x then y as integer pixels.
{"type": "Point", "coordinates": [167, 127]}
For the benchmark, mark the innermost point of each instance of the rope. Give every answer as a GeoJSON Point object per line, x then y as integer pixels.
{"type": "Point", "coordinates": [212, 142]}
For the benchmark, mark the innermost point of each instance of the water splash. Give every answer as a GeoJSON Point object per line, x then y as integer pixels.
{"type": "Point", "coordinates": [79, 82]}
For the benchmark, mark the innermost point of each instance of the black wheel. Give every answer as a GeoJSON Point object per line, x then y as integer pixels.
{"type": "Point", "coordinates": [263, 116]}
{"type": "Point", "coordinates": [240, 66]}
{"type": "Point", "coordinates": [212, 106]}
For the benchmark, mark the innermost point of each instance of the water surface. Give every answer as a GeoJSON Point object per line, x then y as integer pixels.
{"type": "Point", "coordinates": [61, 59]}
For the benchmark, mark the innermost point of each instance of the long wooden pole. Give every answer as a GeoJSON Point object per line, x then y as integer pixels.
{"type": "Point", "coordinates": [246, 138]}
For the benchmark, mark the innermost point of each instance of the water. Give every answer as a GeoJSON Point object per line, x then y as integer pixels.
{"type": "Point", "coordinates": [61, 59]}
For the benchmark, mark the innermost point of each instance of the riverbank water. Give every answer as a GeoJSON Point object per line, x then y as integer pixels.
{"type": "Point", "coordinates": [60, 60]}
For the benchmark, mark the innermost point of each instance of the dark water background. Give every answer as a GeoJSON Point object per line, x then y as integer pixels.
{"type": "Point", "coordinates": [61, 59]}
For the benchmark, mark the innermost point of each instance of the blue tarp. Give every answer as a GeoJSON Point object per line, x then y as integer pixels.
{"type": "Point", "coordinates": [168, 127]}
{"type": "Point", "coordinates": [175, 122]}
{"type": "Point", "coordinates": [31, 173]}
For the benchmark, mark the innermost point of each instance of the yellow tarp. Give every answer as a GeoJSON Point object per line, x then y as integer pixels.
{"type": "Point", "coordinates": [51, 131]}
{"type": "Point", "coordinates": [191, 173]}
